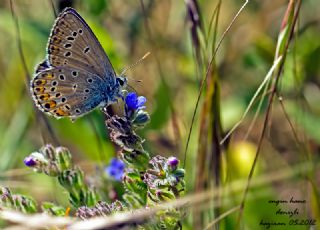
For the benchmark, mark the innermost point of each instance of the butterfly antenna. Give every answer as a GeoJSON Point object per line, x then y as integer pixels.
{"type": "Point", "coordinates": [133, 65]}
{"type": "Point", "coordinates": [131, 88]}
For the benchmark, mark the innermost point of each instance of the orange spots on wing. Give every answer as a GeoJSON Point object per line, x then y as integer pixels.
{"type": "Point", "coordinates": [50, 76]}
{"type": "Point", "coordinates": [44, 97]}
{"type": "Point", "coordinates": [45, 75]}
{"type": "Point", "coordinates": [56, 40]}
{"type": "Point", "coordinates": [40, 82]}
{"type": "Point", "coordinates": [60, 112]}
{"type": "Point", "coordinates": [52, 104]}
{"type": "Point", "coordinates": [39, 89]}
{"type": "Point", "coordinates": [49, 105]}
{"type": "Point", "coordinates": [53, 49]}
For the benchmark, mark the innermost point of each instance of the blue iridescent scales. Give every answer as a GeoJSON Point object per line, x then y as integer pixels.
{"type": "Point", "coordinates": [76, 76]}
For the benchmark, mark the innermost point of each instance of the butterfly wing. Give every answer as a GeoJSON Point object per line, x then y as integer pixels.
{"type": "Point", "coordinates": [73, 44]}
{"type": "Point", "coordinates": [77, 75]}
{"type": "Point", "coordinates": [67, 92]}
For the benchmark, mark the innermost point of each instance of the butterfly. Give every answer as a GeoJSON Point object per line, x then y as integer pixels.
{"type": "Point", "coordinates": [76, 76]}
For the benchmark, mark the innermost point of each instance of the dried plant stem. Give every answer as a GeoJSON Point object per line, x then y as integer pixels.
{"type": "Point", "coordinates": [39, 115]}
{"type": "Point", "coordinates": [222, 216]}
{"type": "Point", "coordinates": [208, 71]}
{"type": "Point", "coordinates": [175, 124]}
{"type": "Point", "coordinates": [271, 97]}
{"type": "Point", "coordinates": [251, 103]}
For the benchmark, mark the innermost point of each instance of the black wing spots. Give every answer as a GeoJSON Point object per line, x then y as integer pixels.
{"type": "Point", "coordinates": [78, 111]}
{"type": "Point", "coordinates": [90, 80]}
{"type": "Point", "coordinates": [62, 22]}
{"type": "Point", "coordinates": [39, 89]}
{"type": "Point", "coordinates": [86, 50]}
{"type": "Point", "coordinates": [62, 77]}
{"type": "Point", "coordinates": [67, 54]}
{"type": "Point", "coordinates": [74, 73]}
{"type": "Point", "coordinates": [39, 82]}
{"type": "Point", "coordinates": [47, 105]}
{"type": "Point", "coordinates": [67, 45]}
{"type": "Point", "coordinates": [67, 107]}
{"type": "Point", "coordinates": [63, 100]}
{"type": "Point", "coordinates": [69, 38]}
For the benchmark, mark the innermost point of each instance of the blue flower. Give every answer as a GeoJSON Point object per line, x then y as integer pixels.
{"type": "Point", "coordinates": [133, 102]}
{"type": "Point", "coordinates": [30, 161]}
{"type": "Point", "coordinates": [115, 169]}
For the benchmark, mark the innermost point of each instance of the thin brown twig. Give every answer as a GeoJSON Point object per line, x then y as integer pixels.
{"type": "Point", "coordinates": [295, 135]}
{"type": "Point", "coordinates": [17, 27]}
{"type": "Point", "coordinates": [53, 9]}
{"type": "Point", "coordinates": [175, 124]}
{"type": "Point", "coordinates": [222, 216]}
{"type": "Point", "coordinates": [208, 71]}
{"type": "Point", "coordinates": [38, 221]}
{"type": "Point", "coordinates": [27, 75]}
{"type": "Point", "coordinates": [268, 113]}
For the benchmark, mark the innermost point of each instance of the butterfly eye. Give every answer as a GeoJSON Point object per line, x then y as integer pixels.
{"type": "Point", "coordinates": [121, 81]}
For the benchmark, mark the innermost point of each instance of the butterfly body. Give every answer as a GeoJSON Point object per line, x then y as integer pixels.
{"type": "Point", "coordinates": [76, 76]}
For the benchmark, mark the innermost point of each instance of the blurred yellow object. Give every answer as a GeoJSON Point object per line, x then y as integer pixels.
{"type": "Point", "coordinates": [240, 158]}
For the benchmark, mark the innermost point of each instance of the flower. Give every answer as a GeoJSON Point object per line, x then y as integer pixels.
{"type": "Point", "coordinates": [133, 102]}
{"type": "Point", "coordinates": [140, 119]}
{"type": "Point", "coordinates": [173, 162]}
{"type": "Point", "coordinates": [115, 169]}
{"type": "Point", "coordinates": [30, 161]}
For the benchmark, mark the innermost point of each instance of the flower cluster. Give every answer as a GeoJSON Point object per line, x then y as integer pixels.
{"type": "Point", "coordinates": [49, 160]}
{"type": "Point", "coordinates": [56, 162]}
{"type": "Point", "coordinates": [164, 179]}
{"type": "Point", "coordinates": [17, 202]}
{"type": "Point", "coordinates": [147, 181]}
{"type": "Point", "coordinates": [100, 209]}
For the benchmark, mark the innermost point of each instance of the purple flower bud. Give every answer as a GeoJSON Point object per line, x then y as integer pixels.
{"type": "Point", "coordinates": [30, 161]}
{"type": "Point", "coordinates": [173, 161]}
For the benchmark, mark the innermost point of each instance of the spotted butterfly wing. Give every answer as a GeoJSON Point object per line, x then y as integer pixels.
{"type": "Point", "coordinates": [77, 75]}
{"type": "Point", "coordinates": [72, 43]}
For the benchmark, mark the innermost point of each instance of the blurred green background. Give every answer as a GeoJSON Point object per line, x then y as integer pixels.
{"type": "Point", "coordinates": [170, 81]}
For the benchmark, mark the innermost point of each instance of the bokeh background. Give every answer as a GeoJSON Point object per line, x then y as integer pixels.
{"type": "Point", "coordinates": [170, 79]}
